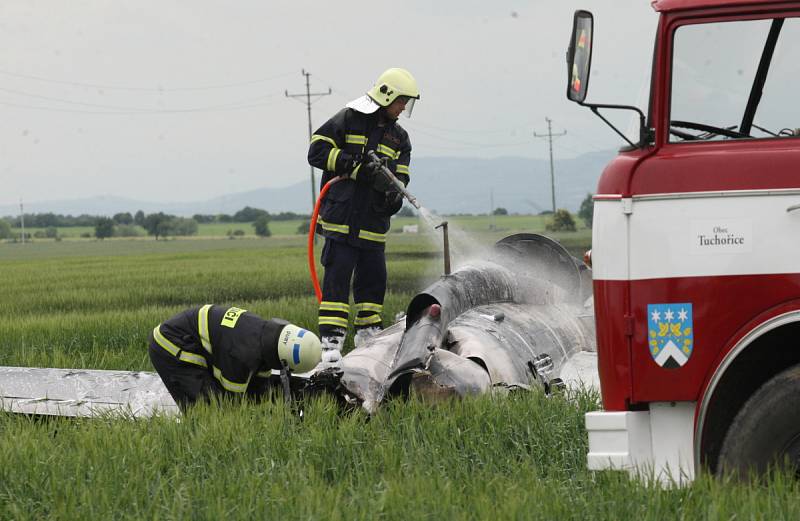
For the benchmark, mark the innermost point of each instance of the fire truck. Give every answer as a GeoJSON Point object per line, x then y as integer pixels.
{"type": "Point", "coordinates": [696, 246]}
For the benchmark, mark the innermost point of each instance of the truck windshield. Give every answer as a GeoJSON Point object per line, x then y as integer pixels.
{"type": "Point", "coordinates": [718, 70]}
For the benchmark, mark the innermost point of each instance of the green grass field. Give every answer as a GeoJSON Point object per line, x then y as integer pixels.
{"type": "Point", "coordinates": [90, 304]}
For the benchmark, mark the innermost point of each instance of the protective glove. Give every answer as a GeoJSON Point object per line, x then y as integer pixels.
{"type": "Point", "coordinates": [369, 172]}
{"type": "Point", "coordinates": [394, 201]}
{"type": "Point", "coordinates": [382, 183]}
{"type": "Point", "coordinates": [350, 162]}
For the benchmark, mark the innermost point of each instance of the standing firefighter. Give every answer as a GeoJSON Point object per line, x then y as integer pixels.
{"type": "Point", "coordinates": [354, 216]}
{"type": "Point", "coordinates": [218, 350]}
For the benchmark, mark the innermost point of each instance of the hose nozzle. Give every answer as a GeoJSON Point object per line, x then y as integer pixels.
{"type": "Point", "coordinates": [373, 157]}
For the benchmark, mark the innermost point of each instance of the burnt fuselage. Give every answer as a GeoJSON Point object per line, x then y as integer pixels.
{"type": "Point", "coordinates": [512, 321]}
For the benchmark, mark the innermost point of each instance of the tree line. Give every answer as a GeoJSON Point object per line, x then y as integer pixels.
{"type": "Point", "coordinates": [162, 225]}
{"type": "Point", "coordinates": [46, 220]}
{"type": "Point", "coordinates": [125, 224]}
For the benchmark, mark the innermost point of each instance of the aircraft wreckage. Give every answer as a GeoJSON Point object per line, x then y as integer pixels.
{"type": "Point", "coordinates": [520, 319]}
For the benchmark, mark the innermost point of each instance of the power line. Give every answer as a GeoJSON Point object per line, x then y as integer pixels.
{"type": "Point", "coordinates": [591, 141]}
{"type": "Point", "coordinates": [141, 89]}
{"type": "Point", "coordinates": [580, 151]}
{"type": "Point", "coordinates": [422, 145]}
{"type": "Point", "coordinates": [134, 110]}
{"type": "Point", "coordinates": [510, 131]}
{"type": "Point", "coordinates": [308, 95]}
{"type": "Point", "coordinates": [550, 137]}
{"type": "Point", "coordinates": [154, 112]}
{"type": "Point", "coordinates": [462, 142]}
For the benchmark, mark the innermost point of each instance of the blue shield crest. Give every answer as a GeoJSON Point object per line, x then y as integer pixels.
{"type": "Point", "coordinates": [670, 334]}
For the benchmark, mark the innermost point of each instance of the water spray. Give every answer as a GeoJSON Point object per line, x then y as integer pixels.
{"type": "Point", "coordinates": [413, 200]}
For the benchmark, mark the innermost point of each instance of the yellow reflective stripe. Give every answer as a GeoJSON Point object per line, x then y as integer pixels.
{"type": "Point", "coordinates": [333, 321]}
{"type": "Point", "coordinates": [388, 151]}
{"type": "Point", "coordinates": [355, 139]}
{"type": "Point", "coordinates": [163, 342]}
{"type": "Point", "coordinates": [318, 137]}
{"type": "Point", "coordinates": [341, 228]}
{"type": "Point", "coordinates": [264, 374]}
{"type": "Point", "coordinates": [369, 306]}
{"type": "Point", "coordinates": [228, 385]}
{"type": "Point", "coordinates": [354, 174]}
{"type": "Point", "coordinates": [332, 156]}
{"type": "Point", "coordinates": [193, 358]}
{"type": "Point", "coordinates": [176, 351]}
{"type": "Point", "coordinates": [202, 327]}
{"type": "Point", "coordinates": [371, 236]}
{"type": "Point", "coordinates": [338, 151]}
{"type": "Point", "coordinates": [334, 306]}
{"type": "Point", "coordinates": [403, 169]}
{"type": "Point", "coordinates": [365, 321]}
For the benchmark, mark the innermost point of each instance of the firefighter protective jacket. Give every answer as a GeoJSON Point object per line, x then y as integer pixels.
{"type": "Point", "coordinates": [238, 347]}
{"type": "Point", "coordinates": [353, 210]}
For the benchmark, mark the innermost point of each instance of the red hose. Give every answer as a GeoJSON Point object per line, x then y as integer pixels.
{"type": "Point", "coordinates": [312, 265]}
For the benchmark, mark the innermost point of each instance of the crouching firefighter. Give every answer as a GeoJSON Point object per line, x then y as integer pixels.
{"type": "Point", "coordinates": [218, 350]}
{"type": "Point", "coordinates": [354, 215]}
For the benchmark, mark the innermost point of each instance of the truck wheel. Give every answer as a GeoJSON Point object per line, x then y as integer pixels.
{"type": "Point", "coordinates": [766, 430]}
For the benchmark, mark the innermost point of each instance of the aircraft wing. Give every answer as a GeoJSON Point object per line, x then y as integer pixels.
{"type": "Point", "coordinates": [84, 392]}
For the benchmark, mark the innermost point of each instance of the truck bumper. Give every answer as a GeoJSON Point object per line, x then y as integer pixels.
{"type": "Point", "coordinates": [654, 444]}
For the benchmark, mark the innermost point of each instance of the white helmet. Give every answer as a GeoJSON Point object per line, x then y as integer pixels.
{"type": "Point", "coordinates": [392, 84]}
{"type": "Point", "coordinates": [299, 348]}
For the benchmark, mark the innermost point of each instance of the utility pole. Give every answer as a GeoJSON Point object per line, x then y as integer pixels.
{"type": "Point", "coordinates": [550, 137]}
{"type": "Point", "coordinates": [22, 219]}
{"type": "Point", "coordinates": [307, 97]}
{"type": "Point", "coordinates": [491, 209]}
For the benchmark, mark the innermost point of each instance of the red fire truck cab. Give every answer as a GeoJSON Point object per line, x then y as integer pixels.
{"type": "Point", "coordinates": [696, 246]}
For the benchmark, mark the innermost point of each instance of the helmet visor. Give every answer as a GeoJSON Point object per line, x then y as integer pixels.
{"type": "Point", "coordinates": [409, 107]}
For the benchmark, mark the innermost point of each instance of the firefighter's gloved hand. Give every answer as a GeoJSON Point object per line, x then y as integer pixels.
{"type": "Point", "coordinates": [369, 171]}
{"type": "Point", "coordinates": [394, 201]}
{"type": "Point", "coordinates": [349, 162]}
{"type": "Point", "coordinates": [382, 183]}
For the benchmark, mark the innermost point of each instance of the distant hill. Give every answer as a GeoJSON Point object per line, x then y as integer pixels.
{"type": "Point", "coordinates": [520, 185]}
{"type": "Point", "coordinates": [447, 185]}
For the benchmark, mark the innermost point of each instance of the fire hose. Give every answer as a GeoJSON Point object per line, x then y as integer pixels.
{"type": "Point", "coordinates": [312, 229]}
{"type": "Point", "coordinates": [373, 158]}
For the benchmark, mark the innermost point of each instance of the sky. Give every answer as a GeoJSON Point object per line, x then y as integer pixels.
{"type": "Point", "coordinates": [167, 100]}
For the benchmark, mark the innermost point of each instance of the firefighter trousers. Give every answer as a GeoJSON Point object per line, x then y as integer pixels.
{"type": "Point", "coordinates": [367, 270]}
{"type": "Point", "coordinates": [187, 383]}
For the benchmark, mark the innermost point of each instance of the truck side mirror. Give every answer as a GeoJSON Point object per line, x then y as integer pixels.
{"type": "Point", "coordinates": [579, 56]}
